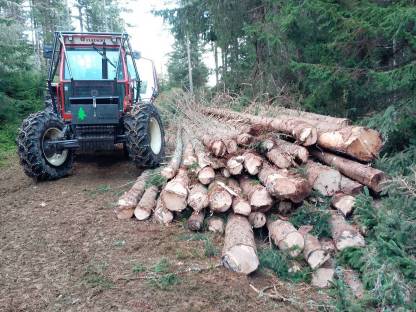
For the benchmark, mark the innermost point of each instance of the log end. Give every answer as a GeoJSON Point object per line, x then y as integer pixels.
{"type": "Point", "coordinates": [241, 259]}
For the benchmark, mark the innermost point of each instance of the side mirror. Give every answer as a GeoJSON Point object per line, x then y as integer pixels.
{"type": "Point", "coordinates": [47, 51]}
{"type": "Point", "coordinates": [136, 55]}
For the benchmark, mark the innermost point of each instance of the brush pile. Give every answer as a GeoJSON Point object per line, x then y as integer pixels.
{"type": "Point", "coordinates": [238, 171]}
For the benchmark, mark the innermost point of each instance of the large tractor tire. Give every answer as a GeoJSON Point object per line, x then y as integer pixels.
{"type": "Point", "coordinates": [145, 137]}
{"type": "Point", "coordinates": [37, 162]}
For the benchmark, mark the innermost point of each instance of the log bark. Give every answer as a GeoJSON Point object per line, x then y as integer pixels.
{"type": "Point", "coordinates": [286, 237]}
{"type": "Point", "coordinates": [373, 178]}
{"type": "Point", "coordinates": [198, 197]}
{"type": "Point", "coordinates": [235, 165]}
{"type": "Point", "coordinates": [323, 179]}
{"type": "Point", "coordinates": [343, 203]}
{"type": "Point", "coordinates": [239, 253]}
{"type": "Point", "coordinates": [259, 198]}
{"type": "Point", "coordinates": [350, 187]}
{"type": "Point", "coordinates": [170, 170]}
{"type": "Point", "coordinates": [189, 158]}
{"type": "Point", "coordinates": [216, 225]}
{"type": "Point", "coordinates": [359, 142]}
{"type": "Point", "coordinates": [206, 175]}
{"type": "Point", "coordinates": [214, 145]}
{"type": "Point", "coordinates": [252, 162]}
{"type": "Point", "coordinates": [196, 220]}
{"type": "Point", "coordinates": [313, 253]}
{"type": "Point", "coordinates": [284, 184]}
{"type": "Point", "coordinates": [175, 193]}
{"type": "Point", "coordinates": [344, 234]}
{"type": "Point", "coordinates": [220, 199]}
{"type": "Point", "coordinates": [257, 219]}
{"type": "Point", "coordinates": [128, 201]}
{"type": "Point", "coordinates": [161, 214]}
{"type": "Point", "coordinates": [147, 203]}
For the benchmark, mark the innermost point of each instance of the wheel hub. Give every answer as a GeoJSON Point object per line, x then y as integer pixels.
{"type": "Point", "coordinates": [155, 135]}
{"type": "Point", "coordinates": [53, 157]}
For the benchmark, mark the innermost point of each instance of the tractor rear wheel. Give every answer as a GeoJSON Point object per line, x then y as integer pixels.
{"type": "Point", "coordinates": [145, 140]}
{"type": "Point", "coordinates": [36, 160]}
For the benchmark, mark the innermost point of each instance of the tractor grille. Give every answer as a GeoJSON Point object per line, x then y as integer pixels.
{"type": "Point", "coordinates": [95, 138]}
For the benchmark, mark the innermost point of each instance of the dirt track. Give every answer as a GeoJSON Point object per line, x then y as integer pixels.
{"type": "Point", "coordinates": [61, 249]}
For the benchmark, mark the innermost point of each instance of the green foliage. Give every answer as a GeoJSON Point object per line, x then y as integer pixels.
{"type": "Point", "coordinates": [155, 179]}
{"type": "Point", "coordinates": [165, 281]}
{"type": "Point", "coordinates": [210, 250]}
{"type": "Point", "coordinates": [94, 276]}
{"type": "Point", "coordinates": [138, 268]}
{"type": "Point", "coordinates": [162, 266]}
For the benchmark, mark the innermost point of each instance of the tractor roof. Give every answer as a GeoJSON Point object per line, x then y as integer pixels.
{"type": "Point", "coordinates": [92, 38]}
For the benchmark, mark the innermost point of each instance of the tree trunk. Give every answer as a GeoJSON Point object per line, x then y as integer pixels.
{"type": "Point", "coordinates": [323, 179]}
{"type": "Point", "coordinates": [373, 178]}
{"type": "Point", "coordinates": [239, 253]}
{"type": "Point", "coordinates": [220, 199]}
{"type": "Point", "coordinates": [284, 184]}
{"type": "Point", "coordinates": [189, 158]}
{"type": "Point", "coordinates": [206, 175]}
{"type": "Point", "coordinates": [296, 152]}
{"type": "Point", "coordinates": [170, 170]}
{"type": "Point", "coordinates": [128, 201]}
{"type": "Point", "coordinates": [350, 187]}
{"type": "Point", "coordinates": [175, 193]}
{"type": "Point", "coordinates": [344, 203]}
{"type": "Point", "coordinates": [196, 220]}
{"type": "Point", "coordinates": [359, 142]}
{"type": "Point", "coordinates": [257, 219]}
{"type": "Point", "coordinates": [344, 234]}
{"type": "Point", "coordinates": [198, 197]}
{"type": "Point", "coordinates": [252, 162]}
{"type": "Point", "coordinates": [259, 198]}
{"type": "Point", "coordinates": [161, 214]}
{"type": "Point", "coordinates": [286, 237]}
{"type": "Point", "coordinates": [147, 203]}
{"type": "Point", "coordinates": [313, 253]}
{"type": "Point", "coordinates": [215, 225]}
{"type": "Point", "coordinates": [235, 165]}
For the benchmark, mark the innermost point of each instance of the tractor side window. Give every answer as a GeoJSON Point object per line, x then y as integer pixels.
{"type": "Point", "coordinates": [130, 67]}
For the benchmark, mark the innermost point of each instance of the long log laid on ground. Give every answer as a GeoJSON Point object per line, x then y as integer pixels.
{"type": "Point", "coordinates": [198, 197]}
{"type": "Point", "coordinates": [359, 142]}
{"type": "Point", "coordinates": [147, 203]}
{"type": "Point", "coordinates": [170, 170]}
{"type": "Point", "coordinates": [344, 234]}
{"type": "Point", "coordinates": [128, 201]}
{"type": "Point", "coordinates": [373, 178]}
{"type": "Point", "coordinates": [350, 187]}
{"type": "Point", "coordinates": [303, 132]}
{"type": "Point", "coordinates": [175, 193]}
{"type": "Point", "coordinates": [239, 253]}
{"type": "Point", "coordinates": [286, 237]}
{"type": "Point", "coordinates": [258, 196]}
{"type": "Point", "coordinates": [323, 179]}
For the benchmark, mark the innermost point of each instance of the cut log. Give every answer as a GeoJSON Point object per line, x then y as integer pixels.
{"type": "Point", "coordinates": [220, 199]}
{"type": "Point", "coordinates": [225, 172]}
{"type": "Point", "coordinates": [286, 237]}
{"type": "Point", "coordinates": [328, 245]}
{"type": "Point", "coordinates": [359, 142]}
{"type": "Point", "coordinates": [278, 158]}
{"type": "Point", "coordinates": [259, 198]}
{"type": "Point", "coordinates": [241, 206]}
{"type": "Point", "coordinates": [344, 203]}
{"type": "Point", "coordinates": [147, 203]}
{"type": "Point", "coordinates": [252, 162]}
{"type": "Point", "coordinates": [350, 187]}
{"type": "Point", "coordinates": [373, 178]}
{"type": "Point", "coordinates": [257, 219]}
{"type": "Point", "coordinates": [285, 207]}
{"type": "Point", "coordinates": [323, 277]}
{"type": "Point", "coordinates": [313, 253]}
{"type": "Point", "coordinates": [198, 197]}
{"type": "Point", "coordinates": [196, 220]}
{"type": "Point", "coordinates": [344, 234]}
{"type": "Point", "coordinates": [244, 139]}
{"type": "Point", "coordinates": [305, 229]}
{"type": "Point", "coordinates": [352, 279]}
{"type": "Point", "coordinates": [161, 214]}
{"type": "Point", "coordinates": [284, 184]}
{"type": "Point", "coordinates": [175, 193]}
{"type": "Point", "coordinates": [239, 253]}
{"type": "Point", "coordinates": [201, 155]}
{"type": "Point", "coordinates": [214, 145]}
{"type": "Point", "coordinates": [296, 152]}
{"type": "Point", "coordinates": [231, 146]}
{"type": "Point", "coordinates": [216, 225]}
{"type": "Point", "coordinates": [170, 170]}
{"type": "Point", "coordinates": [206, 175]}
{"type": "Point", "coordinates": [323, 179]}
{"type": "Point", "coordinates": [235, 165]}
{"type": "Point", "coordinates": [189, 158]}
{"type": "Point", "coordinates": [128, 201]}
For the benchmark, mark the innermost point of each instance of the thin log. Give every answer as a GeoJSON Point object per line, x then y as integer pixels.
{"type": "Point", "coordinates": [147, 203]}
{"type": "Point", "coordinates": [214, 145]}
{"type": "Point", "coordinates": [257, 219]}
{"type": "Point", "coordinates": [244, 139]}
{"type": "Point", "coordinates": [344, 234]}
{"type": "Point", "coordinates": [198, 197]}
{"type": "Point", "coordinates": [350, 187]}
{"type": "Point", "coordinates": [297, 152]}
{"type": "Point", "coordinates": [231, 146]}
{"type": "Point", "coordinates": [206, 175]}
{"type": "Point", "coordinates": [161, 214]}
{"type": "Point", "coordinates": [196, 220]}
{"type": "Point", "coordinates": [313, 253]}
{"type": "Point", "coordinates": [170, 170]}
{"type": "Point", "coordinates": [286, 237]}
{"type": "Point", "coordinates": [252, 162]}
{"type": "Point", "coordinates": [220, 199]}
{"type": "Point", "coordinates": [343, 203]}
{"type": "Point", "coordinates": [235, 165]}
{"type": "Point", "coordinates": [323, 179]}
{"type": "Point", "coordinates": [241, 206]}
{"type": "Point", "coordinates": [259, 198]}
{"type": "Point", "coordinates": [216, 225]}
{"type": "Point", "coordinates": [175, 193]}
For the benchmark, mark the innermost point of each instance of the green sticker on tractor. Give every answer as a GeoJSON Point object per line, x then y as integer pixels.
{"type": "Point", "coordinates": [81, 114]}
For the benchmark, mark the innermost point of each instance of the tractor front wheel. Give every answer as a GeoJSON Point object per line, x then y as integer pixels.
{"type": "Point", "coordinates": [38, 162]}
{"type": "Point", "coordinates": [145, 137]}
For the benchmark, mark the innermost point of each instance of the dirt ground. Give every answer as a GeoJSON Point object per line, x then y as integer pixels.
{"type": "Point", "coordinates": [62, 249]}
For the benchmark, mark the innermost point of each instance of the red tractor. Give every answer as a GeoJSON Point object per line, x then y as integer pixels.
{"type": "Point", "coordinates": [95, 100]}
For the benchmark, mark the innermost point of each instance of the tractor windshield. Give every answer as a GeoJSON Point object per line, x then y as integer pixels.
{"type": "Point", "coordinates": [87, 64]}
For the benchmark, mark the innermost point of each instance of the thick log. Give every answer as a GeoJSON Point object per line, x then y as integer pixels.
{"type": "Point", "coordinates": [216, 225]}
{"type": "Point", "coordinates": [323, 179]}
{"type": "Point", "coordinates": [286, 237]}
{"type": "Point", "coordinates": [252, 162]}
{"type": "Point", "coordinates": [161, 214]}
{"type": "Point", "coordinates": [175, 193]}
{"type": "Point", "coordinates": [359, 142]}
{"type": "Point", "coordinates": [297, 152]}
{"type": "Point", "coordinates": [344, 234]}
{"type": "Point", "coordinates": [241, 206]}
{"type": "Point", "coordinates": [343, 203]}
{"type": "Point", "coordinates": [189, 158]}
{"type": "Point", "coordinates": [220, 199]}
{"type": "Point", "coordinates": [147, 203]}
{"type": "Point", "coordinates": [239, 253]}
{"type": "Point", "coordinates": [231, 146]}
{"type": "Point", "coordinates": [206, 175]}
{"type": "Point", "coordinates": [278, 158]}
{"type": "Point", "coordinates": [313, 253]}
{"type": "Point", "coordinates": [214, 145]}
{"type": "Point", "coordinates": [350, 187]}
{"type": "Point", "coordinates": [170, 170]}
{"type": "Point", "coordinates": [373, 178]}
{"type": "Point", "coordinates": [198, 197]}
{"type": "Point", "coordinates": [196, 220]}
{"type": "Point", "coordinates": [284, 184]}
{"type": "Point", "coordinates": [128, 201]}
{"type": "Point", "coordinates": [244, 139]}
{"type": "Point", "coordinates": [257, 219]}
{"type": "Point", "coordinates": [235, 165]}
{"type": "Point", "coordinates": [352, 279]}
{"type": "Point", "coordinates": [259, 198]}
{"type": "Point", "coordinates": [323, 277]}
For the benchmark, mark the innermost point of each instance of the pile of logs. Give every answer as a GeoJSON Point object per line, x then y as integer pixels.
{"type": "Point", "coordinates": [256, 179]}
